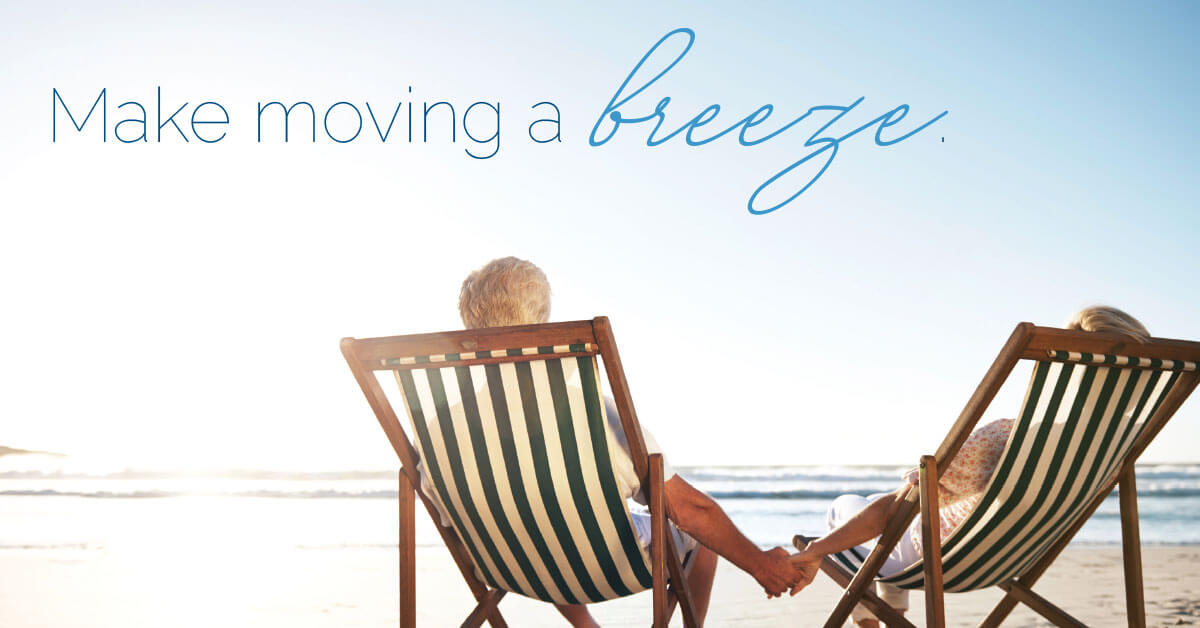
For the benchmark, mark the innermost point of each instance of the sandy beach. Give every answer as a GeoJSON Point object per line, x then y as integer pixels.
{"type": "Point", "coordinates": [190, 586]}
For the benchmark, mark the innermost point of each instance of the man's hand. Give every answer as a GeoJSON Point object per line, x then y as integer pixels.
{"type": "Point", "coordinates": [776, 573]}
{"type": "Point", "coordinates": [808, 563]}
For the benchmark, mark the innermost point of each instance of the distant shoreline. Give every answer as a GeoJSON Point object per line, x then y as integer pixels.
{"type": "Point", "coordinates": [12, 451]}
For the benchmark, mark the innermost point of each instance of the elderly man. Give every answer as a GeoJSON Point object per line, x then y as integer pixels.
{"type": "Point", "coordinates": [510, 291]}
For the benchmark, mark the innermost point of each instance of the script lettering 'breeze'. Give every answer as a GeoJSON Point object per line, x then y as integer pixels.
{"type": "Point", "coordinates": [823, 145]}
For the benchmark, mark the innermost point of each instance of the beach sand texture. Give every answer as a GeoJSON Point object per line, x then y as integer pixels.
{"type": "Point", "coordinates": [70, 588]}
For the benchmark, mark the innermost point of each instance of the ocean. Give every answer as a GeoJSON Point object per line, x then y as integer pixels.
{"type": "Point", "coordinates": [97, 510]}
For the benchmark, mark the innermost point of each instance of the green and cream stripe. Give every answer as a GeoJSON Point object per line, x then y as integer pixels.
{"type": "Point", "coordinates": [495, 353]}
{"type": "Point", "coordinates": [518, 453]}
{"type": "Point", "coordinates": [1122, 360]}
{"type": "Point", "coordinates": [1077, 423]}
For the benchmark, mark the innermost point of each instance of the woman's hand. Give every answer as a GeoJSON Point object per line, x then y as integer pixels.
{"type": "Point", "coordinates": [808, 563]}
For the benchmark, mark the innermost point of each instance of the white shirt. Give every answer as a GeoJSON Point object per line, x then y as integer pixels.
{"type": "Point", "coordinates": [627, 479]}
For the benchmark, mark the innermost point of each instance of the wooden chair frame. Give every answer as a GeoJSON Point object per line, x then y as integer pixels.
{"type": "Point", "coordinates": [1033, 343]}
{"type": "Point", "coordinates": [364, 357]}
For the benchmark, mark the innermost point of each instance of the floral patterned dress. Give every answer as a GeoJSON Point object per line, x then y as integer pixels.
{"type": "Point", "coordinates": [960, 486]}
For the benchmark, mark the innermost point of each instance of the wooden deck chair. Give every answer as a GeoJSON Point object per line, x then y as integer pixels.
{"type": "Point", "coordinates": [510, 426]}
{"type": "Point", "coordinates": [1093, 404]}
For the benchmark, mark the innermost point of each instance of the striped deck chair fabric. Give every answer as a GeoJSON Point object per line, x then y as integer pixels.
{"type": "Point", "coordinates": [510, 449]}
{"type": "Point", "coordinates": [1079, 419]}
{"type": "Point", "coordinates": [519, 456]}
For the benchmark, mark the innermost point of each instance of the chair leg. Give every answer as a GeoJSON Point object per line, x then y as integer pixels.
{"type": "Point", "coordinates": [1131, 542]}
{"type": "Point", "coordinates": [671, 563]}
{"type": "Point", "coordinates": [886, 613]}
{"type": "Point", "coordinates": [408, 559]}
{"type": "Point", "coordinates": [865, 577]}
{"type": "Point", "coordinates": [1000, 612]}
{"type": "Point", "coordinates": [931, 543]}
{"type": "Point", "coordinates": [485, 608]}
{"type": "Point", "coordinates": [679, 584]}
{"type": "Point", "coordinates": [672, 601]}
{"type": "Point", "coordinates": [1026, 596]}
{"type": "Point", "coordinates": [658, 543]}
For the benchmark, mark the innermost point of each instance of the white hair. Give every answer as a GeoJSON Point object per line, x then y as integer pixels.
{"type": "Point", "coordinates": [506, 291]}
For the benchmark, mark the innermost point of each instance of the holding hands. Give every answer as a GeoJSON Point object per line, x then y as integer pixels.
{"type": "Point", "coordinates": [781, 572]}
{"type": "Point", "coordinates": [808, 563]}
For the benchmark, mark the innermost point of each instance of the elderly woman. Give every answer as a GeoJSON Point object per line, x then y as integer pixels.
{"type": "Point", "coordinates": [856, 521]}
{"type": "Point", "coordinates": [510, 291]}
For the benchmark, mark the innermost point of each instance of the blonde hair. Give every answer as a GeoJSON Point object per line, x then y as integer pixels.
{"type": "Point", "coordinates": [1103, 318]}
{"type": "Point", "coordinates": [506, 291]}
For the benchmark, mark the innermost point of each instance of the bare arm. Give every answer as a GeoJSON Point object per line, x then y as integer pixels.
{"type": "Point", "coordinates": [866, 525]}
{"type": "Point", "coordinates": [701, 517]}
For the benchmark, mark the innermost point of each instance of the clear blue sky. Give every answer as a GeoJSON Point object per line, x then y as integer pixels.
{"type": "Point", "coordinates": [172, 304]}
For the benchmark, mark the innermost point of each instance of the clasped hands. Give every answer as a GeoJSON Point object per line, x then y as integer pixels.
{"type": "Point", "coordinates": [783, 572]}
